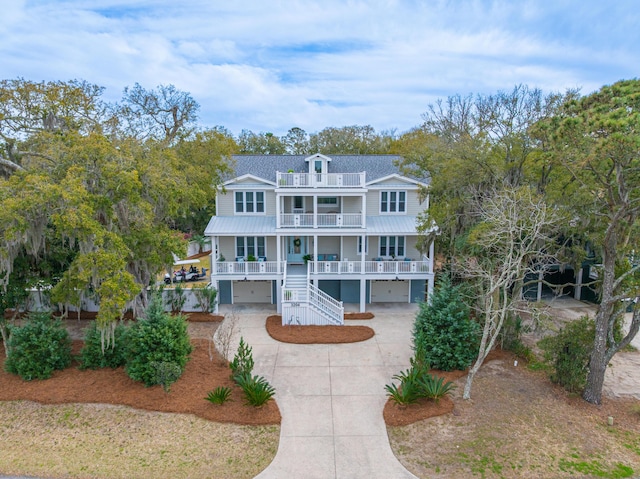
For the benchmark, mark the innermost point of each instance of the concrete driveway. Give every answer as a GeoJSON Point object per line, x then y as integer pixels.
{"type": "Point", "coordinates": [331, 396]}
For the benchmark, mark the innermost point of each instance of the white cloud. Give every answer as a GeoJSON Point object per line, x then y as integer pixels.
{"type": "Point", "coordinates": [269, 66]}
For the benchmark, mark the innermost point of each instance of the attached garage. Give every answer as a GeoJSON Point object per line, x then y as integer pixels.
{"type": "Point", "coordinates": [252, 292]}
{"type": "Point", "coordinates": [389, 291]}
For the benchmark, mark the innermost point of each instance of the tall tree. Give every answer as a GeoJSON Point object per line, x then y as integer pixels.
{"type": "Point", "coordinates": [470, 146]}
{"type": "Point", "coordinates": [296, 142]}
{"type": "Point", "coordinates": [597, 139]}
{"type": "Point", "coordinates": [164, 113]}
{"type": "Point", "coordinates": [30, 112]}
{"type": "Point", "coordinates": [514, 238]}
{"type": "Point", "coordinates": [110, 200]}
{"type": "Point", "coordinates": [260, 143]}
{"type": "Point", "coordinates": [350, 140]}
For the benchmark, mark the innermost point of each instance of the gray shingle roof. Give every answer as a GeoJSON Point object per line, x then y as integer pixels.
{"type": "Point", "coordinates": [265, 166]}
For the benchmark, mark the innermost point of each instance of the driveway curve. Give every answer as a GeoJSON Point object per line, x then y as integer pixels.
{"type": "Point", "coordinates": [331, 396]}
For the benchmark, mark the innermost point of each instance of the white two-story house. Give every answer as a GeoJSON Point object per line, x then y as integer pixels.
{"type": "Point", "coordinates": [312, 233]}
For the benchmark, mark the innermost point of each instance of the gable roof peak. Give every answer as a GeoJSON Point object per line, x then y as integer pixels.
{"type": "Point", "coordinates": [317, 155]}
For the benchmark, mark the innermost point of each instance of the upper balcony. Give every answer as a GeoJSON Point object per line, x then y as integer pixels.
{"type": "Point", "coordinates": [321, 180]}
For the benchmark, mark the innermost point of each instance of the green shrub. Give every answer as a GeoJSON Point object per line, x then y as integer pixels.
{"type": "Point", "coordinates": [435, 387]}
{"type": "Point", "coordinates": [257, 391]}
{"type": "Point", "coordinates": [206, 296]}
{"type": "Point", "coordinates": [443, 332]}
{"type": "Point", "coordinates": [160, 338]}
{"type": "Point", "coordinates": [92, 355]}
{"type": "Point", "coordinates": [511, 338]}
{"type": "Point", "coordinates": [38, 348]}
{"type": "Point", "coordinates": [568, 354]}
{"type": "Point", "coordinates": [407, 393]}
{"type": "Point", "coordinates": [176, 298]}
{"type": "Point", "coordinates": [242, 361]}
{"type": "Point", "coordinates": [219, 395]}
{"type": "Point", "coordinates": [167, 373]}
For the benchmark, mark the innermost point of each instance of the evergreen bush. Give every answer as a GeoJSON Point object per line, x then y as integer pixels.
{"type": "Point", "coordinates": [443, 333]}
{"type": "Point", "coordinates": [568, 353]}
{"type": "Point", "coordinates": [38, 348]}
{"type": "Point", "coordinates": [158, 338]}
{"type": "Point", "coordinates": [92, 355]}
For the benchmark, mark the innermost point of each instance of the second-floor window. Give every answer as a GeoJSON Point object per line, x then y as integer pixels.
{"type": "Point", "coordinates": [393, 201]}
{"type": "Point", "coordinates": [250, 246]}
{"type": "Point", "coordinates": [249, 201]}
{"type": "Point", "coordinates": [392, 246]}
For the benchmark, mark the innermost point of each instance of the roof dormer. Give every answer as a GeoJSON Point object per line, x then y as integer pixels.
{"type": "Point", "coordinates": [318, 163]}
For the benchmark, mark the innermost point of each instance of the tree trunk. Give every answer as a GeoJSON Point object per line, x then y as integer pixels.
{"type": "Point", "coordinates": [472, 372]}
{"type": "Point", "coordinates": [599, 358]}
{"type": "Point", "coordinates": [597, 363]}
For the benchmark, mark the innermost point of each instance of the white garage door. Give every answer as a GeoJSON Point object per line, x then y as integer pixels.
{"type": "Point", "coordinates": [390, 291]}
{"type": "Point", "coordinates": [252, 291]}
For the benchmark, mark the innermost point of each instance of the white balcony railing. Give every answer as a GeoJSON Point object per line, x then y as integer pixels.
{"type": "Point", "coordinates": [323, 220]}
{"type": "Point", "coordinates": [321, 180]}
{"type": "Point", "coordinates": [247, 267]}
{"type": "Point", "coordinates": [373, 267]}
{"type": "Point", "coordinates": [257, 268]}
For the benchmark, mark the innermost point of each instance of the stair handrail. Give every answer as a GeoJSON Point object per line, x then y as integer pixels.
{"type": "Point", "coordinates": [331, 307]}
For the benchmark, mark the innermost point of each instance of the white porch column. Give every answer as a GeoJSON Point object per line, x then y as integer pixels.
{"type": "Point", "coordinates": [279, 254]}
{"type": "Point", "coordinates": [364, 210]}
{"type": "Point", "coordinates": [279, 270]}
{"type": "Point", "coordinates": [315, 210]}
{"type": "Point", "coordinates": [363, 238]}
{"type": "Point", "coordinates": [363, 294]}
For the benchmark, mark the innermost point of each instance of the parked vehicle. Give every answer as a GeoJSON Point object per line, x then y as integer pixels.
{"type": "Point", "coordinates": [182, 275]}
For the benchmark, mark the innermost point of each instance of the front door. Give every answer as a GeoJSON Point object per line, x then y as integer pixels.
{"type": "Point", "coordinates": [296, 249]}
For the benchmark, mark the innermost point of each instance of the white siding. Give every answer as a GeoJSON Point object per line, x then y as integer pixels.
{"type": "Point", "coordinates": [414, 207]}
{"type": "Point", "coordinates": [329, 245]}
{"type": "Point", "coordinates": [352, 204]}
{"type": "Point", "coordinates": [270, 202]}
{"type": "Point", "coordinates": [224, 204]}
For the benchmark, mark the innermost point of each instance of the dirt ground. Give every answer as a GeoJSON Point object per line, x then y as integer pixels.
{"type": "Point", "coordinates": [519, 425]}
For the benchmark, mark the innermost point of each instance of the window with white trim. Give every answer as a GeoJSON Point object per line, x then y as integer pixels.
{"type": "Point", "coordinates": [393, 201]}
{"type": "Point", "coordinates": [250, 246]}
{"type": "Point", "coordinates": [249, 201]}
{"type": "Point", "coordinates": [392, 246]}
{"type": "Point", "coordinates": [366, 244]}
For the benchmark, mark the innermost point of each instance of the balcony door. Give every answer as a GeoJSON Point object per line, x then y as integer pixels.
{"type": "Point", "coordinates": [296, 249]}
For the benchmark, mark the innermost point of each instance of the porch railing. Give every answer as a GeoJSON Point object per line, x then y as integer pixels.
{"type": "Point", "coordinates": [321, 180]}
{"type": "Point", "coordinates": [381, 267]}
{"type": "Point", "coordinates": [247, 267]}
{"type": "Point", "coordinates": [324, 220]}
{"type": "Point", "coordinates": [331, 308]}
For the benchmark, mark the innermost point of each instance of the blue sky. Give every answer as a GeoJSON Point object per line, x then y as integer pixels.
{"type": "Point", "coordinates": [271, 65]}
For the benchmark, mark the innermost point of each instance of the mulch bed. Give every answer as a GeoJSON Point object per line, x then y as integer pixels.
{"type": "Point", "coordinates": [113, 386]}
{"type": "Point", "coordinates": [366, 315]}
{"type": "Point", "coordinates": [204, 317]}
{"type": "Point", "coordinates": [316, 334]}
{"type": "Point", "coordinates": [395, 415]}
